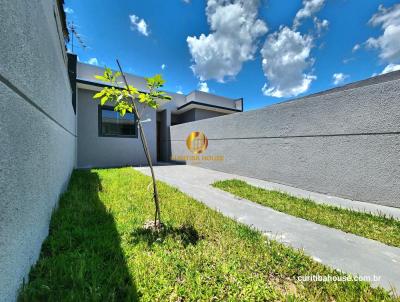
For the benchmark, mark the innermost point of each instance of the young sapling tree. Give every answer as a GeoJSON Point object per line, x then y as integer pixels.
{"type": "Point", "coordinates": [127, 98]}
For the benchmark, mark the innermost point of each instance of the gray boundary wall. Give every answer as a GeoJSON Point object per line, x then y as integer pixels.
{"type": "Point", "coordinates": [344, 142]}
{"type": "Point", "coordinates": [37, 134]}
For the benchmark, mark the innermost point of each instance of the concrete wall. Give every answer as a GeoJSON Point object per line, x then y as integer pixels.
{"type": "Point", "coordinates": [194, 115]}
{"type": "Point", "coordinates": [97, 151]}
{"type": "Point", "coordinates": [185, 117]}
{"type": "Point", "coordinates": [202, 114]}
{"type": "Point", "coordinates": [344, 143]}
{"type": "Point", "coordinates": [37, 134]}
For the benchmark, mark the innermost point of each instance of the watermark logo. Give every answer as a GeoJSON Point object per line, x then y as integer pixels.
{"type": "Point", "coordinates": [338, 278]}
{"type": "Point", "coordinates": [197, 142]}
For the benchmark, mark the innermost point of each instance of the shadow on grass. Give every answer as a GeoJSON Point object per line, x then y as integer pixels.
{"type": "Point", "coordinates": [82, 259]}
{"type": "Point", "coordinates": [186, 234]}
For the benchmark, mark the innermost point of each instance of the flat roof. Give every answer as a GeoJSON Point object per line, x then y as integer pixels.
{"type": "Point", "coordinates": [199, 105]}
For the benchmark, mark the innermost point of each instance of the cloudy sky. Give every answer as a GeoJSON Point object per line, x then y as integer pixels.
{"type": "Point", "coordinates": [265, 51]}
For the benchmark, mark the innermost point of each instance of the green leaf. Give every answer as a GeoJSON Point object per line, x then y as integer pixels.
{"type": "Point", "coordinates": [155, 82]}
{"type": "Point", "coordinates": [124, 97]}
{"type": "Point", "coordinates": [144, 98]}
{"type": "Point", "coordinates": [99, 94]}
{"type": "Point", "coordinates": [116, 75]}
{"type": "Point", "coordinates": [103, 100]}
{"type": "Point", "coordinates": [132, 90]}
{"type": "Point", "coordinates": [153, 104]}
{"type": "Point", "coordinates": [108, 73]}
{"type": "Point", "coordinates": [101, 78]}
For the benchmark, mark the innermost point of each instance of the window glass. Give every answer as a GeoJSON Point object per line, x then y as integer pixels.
{"type": "Point", "coordinates": [113, 124]}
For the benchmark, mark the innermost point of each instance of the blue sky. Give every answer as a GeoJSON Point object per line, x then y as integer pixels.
{"type": "Point", "coordinates": [264, 51]}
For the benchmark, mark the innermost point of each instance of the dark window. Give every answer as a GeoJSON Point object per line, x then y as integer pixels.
{"type": "Point", "coordinates": [111, 123]}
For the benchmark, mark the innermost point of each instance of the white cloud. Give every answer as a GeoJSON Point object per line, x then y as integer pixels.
{"type": "Point", "coordinates": [235, 30]}
{"type": "Point", "coordinates": [320, 25]}
{"type": "Point", "coordinates": [286, 56]}
{"type": "Point", "coordinates": [356, 47]}
{"type": "Point", "coordinates": [93, 61]}
{"type": "Point", "coordinates": [179, 92]}
{"type": "Point", "coordinates": [202, 86]}
{"type": "Point", "coordinates": [339, 78]}
{"type": "Point", "coordinates": [163, 66]}
{"type": "Point", "coordinates": [139, 24]}
{"type": "Point", "coordinates": [390, 68]}
{"type": "Point", "coordinates": [186, 1]}
{"type": "Point", "coordinates": [347, 60]}
{"type": "Point", "coordinates": [389, 42]}
{"type": "Point", "coordinates": [310, 7]}
{"type": "Point", "coordinates": [68, 10]}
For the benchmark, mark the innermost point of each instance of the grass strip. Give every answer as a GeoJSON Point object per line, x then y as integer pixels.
{"type": "Point", "coordinates": [98, 250]}
{"type": "Point", "coordinates": [379, 228]}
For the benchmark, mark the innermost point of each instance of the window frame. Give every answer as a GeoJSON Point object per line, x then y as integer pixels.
{"type": "Point", "coordinates": [100, 121]}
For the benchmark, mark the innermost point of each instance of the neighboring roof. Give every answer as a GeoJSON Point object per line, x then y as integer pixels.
{"type": "Point", "coordinates": [96, 85]}
{"type": "Point", "coordinates": [194, 104]}
{"type": "Point", "coordinates": [92, 83]}
{"type": "Point", "coordinates": [85, 80]}
{"type": "Point", "coordinates": [213, 94]}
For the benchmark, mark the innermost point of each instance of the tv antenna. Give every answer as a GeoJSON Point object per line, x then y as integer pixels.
{"type": "Point", "coordinates": [74, 33]}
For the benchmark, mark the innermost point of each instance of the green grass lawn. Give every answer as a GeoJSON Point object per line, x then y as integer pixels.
{"type": "Point", "coordinates": [380, 228]}
{"type": "Point", "coordinates": [97, 250]}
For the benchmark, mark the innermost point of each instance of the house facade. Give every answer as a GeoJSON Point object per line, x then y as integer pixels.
{"type": "Point", "coordinates": [50, 125]}
{"type": "Point", "coordinates": [104, 139]}
{"type": "Point", "coordinates": [342, 142]}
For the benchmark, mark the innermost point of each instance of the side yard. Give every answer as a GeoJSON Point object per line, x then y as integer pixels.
{"type": "Point", "coordinates": [97, 250]}
{"type": "Point", "coordinates": [379, 228]}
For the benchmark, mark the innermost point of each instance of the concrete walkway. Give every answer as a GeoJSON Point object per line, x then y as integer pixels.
{"type": "Point", "coordinates": [346, 252]}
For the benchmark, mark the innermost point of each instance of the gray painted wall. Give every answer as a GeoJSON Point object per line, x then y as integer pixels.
{"type": "Point", "coordinates": [37, 134]}
{"type": "Point", "coordinates": [344, 143]}
{"type": "Point", "coordinates": [194, 115]}
{"type": "Point", "coordinates": [97, 151]}
{"type": "Point", "coordinates": [208, 98]}
{"type": "Point", "coordinates": [201, 114]}
{"type": "Point", "coordinates": [185, 117]}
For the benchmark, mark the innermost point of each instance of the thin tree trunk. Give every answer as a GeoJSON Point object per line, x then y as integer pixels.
{"type": "Point", "coordinates": [155, 191]}
{"type": "Point", "coordinates": [157, 215]}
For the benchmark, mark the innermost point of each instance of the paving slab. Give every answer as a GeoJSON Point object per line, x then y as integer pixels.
{"type": "Point", "coordinates": [343, 251]}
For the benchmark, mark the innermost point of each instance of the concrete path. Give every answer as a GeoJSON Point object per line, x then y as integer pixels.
{"type": "Point", "coordinates": [346, 252]}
